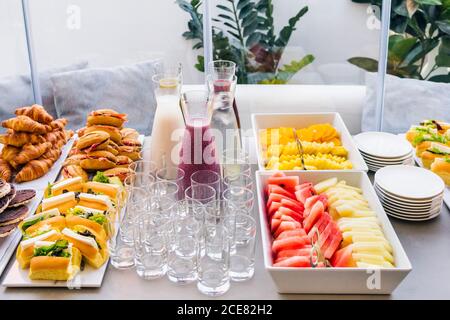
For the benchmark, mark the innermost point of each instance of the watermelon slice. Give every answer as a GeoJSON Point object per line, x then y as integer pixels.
{"type": "Point", "coordinates": [289, 243]}
{"type": "Point", "coordinates": [274, 224]}
{"type": "Point", "coordinates": [330, 228]}
{"type": "Point", "coordinates": [333, 244]}
{"type": "Point", "coordinates": [288, 182]}
{"type": "Point", "coordinates": [273, 188]}
{"type": "Point", "coordinates": [303, 194]}
{"type": "Point", "coordinates": [274, 206]}
{"type": "Point", "coordinates": [286, 225]}
{"type": "Point", "coordinates": [288, 212]}
{"type": "Point", "coordinates": [316, 212]}
{"type": "Point", "coordinates": [320, 224]}
{"type": "Point", "coordinates": [342, 257]}
{"type": "Point", "coordinates": [294, 262]}
{"type": "Point", "coordinates": [293, 205]}
{"type": "Point", "coordinates": [305, 252]}
{"type": "Point", "coordinates": [291, 233]}
{"type": "Point", "coordinates": [277, 198]}
{"type": "Point", "coordinates": [304, 185]}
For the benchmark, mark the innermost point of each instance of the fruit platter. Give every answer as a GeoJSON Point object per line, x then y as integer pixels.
{"type": "Point", "coordinates": [308, 141]}
{"type": "Point", "coordinates": [326, 232]}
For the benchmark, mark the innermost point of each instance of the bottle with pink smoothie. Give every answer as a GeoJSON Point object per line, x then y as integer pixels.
{"type": "Point", "coordinates": [198, 150]}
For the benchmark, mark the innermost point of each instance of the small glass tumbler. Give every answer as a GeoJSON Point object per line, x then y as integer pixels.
{"type": "Point", "coordinates": [143, 166]}
{"type": "Point", "coordinates": [189, 209]}
{"type": "Point", "coordinates": [182, 260]}
{"type": "Point", "coordinates": [164, 188]}
{"type": "Point", "coordinates": [241, 180]}
{"type": "Point", "coordinates": [121, 253]}
{"type": "Point", "coordinates": [209, 178]}
{"type": "Point", "coordinates": [139, 179]}
{"type": "Point", "coordinates": [200, 192]}
{"type": "Point", "coordinates": [172, 174]}
{"type": "Point", "coordinates": [214, 262]}
{"type": "Point", "coordinates": [240, 197]}
{"type": "Point", "coordinates": [242, 258]}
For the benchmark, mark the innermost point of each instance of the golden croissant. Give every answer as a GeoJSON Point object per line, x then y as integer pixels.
{"type": "Point", "coordinates": [30, 152]}
{"type": "Point", "coordinates": [5, 170]}
{"type": "Point", "coordinates": [39, 167]}
{"type": "Point", "coordinates": [9, 153]}
{"type": "Point", "coordinates": [59, 124]}
{"type": "Point", "coordinates": [18, 139]}
{"type": "Point", "coordinates": [35, 112]}
{"type": "Point", "coordinates": [26, 124]}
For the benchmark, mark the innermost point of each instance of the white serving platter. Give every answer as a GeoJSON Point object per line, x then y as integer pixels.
{"type": "Point", "coordinates": [334, 280]}
{"type": "Point", "coordinates": [302, 120]}
{"type": "Point", "coordinates": [9, 243]}
{"type": "Point", "coordinates": [88, 278]}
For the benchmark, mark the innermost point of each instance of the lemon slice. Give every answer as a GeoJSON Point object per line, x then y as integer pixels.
{"type": "Point", "coordinates": [168, 83]}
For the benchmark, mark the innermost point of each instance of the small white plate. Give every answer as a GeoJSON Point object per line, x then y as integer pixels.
{"type": "Point", "coordinates": [410, 182]}
{"type": "Point", "coordinates": [387, 160]}
{"type": "Point", "coordinates": [382, 144]}
{"type": "Point", "coordinates": [411, 209]}
{"type": "Point", "coordinates": [406, 201]}
{"type": "Point", "coordinates": [413, 219]}
{"type": "Point", "coordinates": [407, 161]}
{"type": "Point", "coordinates": [409, 212]}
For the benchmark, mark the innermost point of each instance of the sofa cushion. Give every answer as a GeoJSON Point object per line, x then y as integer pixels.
{"type": "Point", "coordinates": [126, 89]}
{"type": "Point", "coordinates": [406, 102]}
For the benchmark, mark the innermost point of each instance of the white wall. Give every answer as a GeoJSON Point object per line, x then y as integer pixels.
{"type": "Point", "coordinates": [113, 32]}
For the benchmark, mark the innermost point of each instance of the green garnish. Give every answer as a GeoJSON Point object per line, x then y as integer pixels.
{"type": "Point", "coordinates": [29, 223]}
{"type": "Point", "coordinates": [447, 160]}
{"type": "Point", "coordinates": [437, 151]}
{"type": "Point", "coordinates": [100, 177]}
{"type": "Point", "coordinates": [99, 218]}
{"type": "Point", "coordinates": [57, 249]}
{"type": "Point", "coordinates": [89, 234]}
{"type": "Point", "coordinates": [429, 137]}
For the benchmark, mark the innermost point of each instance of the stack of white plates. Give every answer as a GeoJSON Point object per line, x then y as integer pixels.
{"type": "Point", "coordinates": [409, 193]}
{"type": "Point", "coordinates": [381, 149]}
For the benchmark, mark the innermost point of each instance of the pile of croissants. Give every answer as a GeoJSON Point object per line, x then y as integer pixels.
{"type": "Point", "coordinates": [31, 144]}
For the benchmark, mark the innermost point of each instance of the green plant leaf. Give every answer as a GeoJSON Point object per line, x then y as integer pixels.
{"type": "Point", "coordinates": [253, 39]}
{"type": "Point", "coordinates": [286, 32]}
{"type": "Point", "coordinates": [224, 8]}
{"type": "Point", "coordinates": [286, 72]}
{"type": "Point", "coordinates": [367, 64]}
{"type": "Point", "coordinates": [420, 50]}
{"type": "Point", "coordinates": [399, 48]}
{"type": "Point", "coordinates": [444, 25]}
{"type": "Point", "coordinates": [440, 78]}
{"type": "Point", "coordinates": [429, 2]}
{"type": "Point", "coordinates": [443, 57]}
{"type": "Point", "coordinates": [200, 65]}
{"type": "Point", "coordinates": [225, 16]}
{"type": "Point", "coordinates": [242, 3]}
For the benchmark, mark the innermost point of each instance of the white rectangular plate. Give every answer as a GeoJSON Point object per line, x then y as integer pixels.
{"type": "Point", "coordinates": [88, 278]}
{"type": "Point", "coordinates": [334, 280]}
{"type": "Point", "coordinates": [303, 120]}
{"type": "Point", "coordinates": [9, 243]}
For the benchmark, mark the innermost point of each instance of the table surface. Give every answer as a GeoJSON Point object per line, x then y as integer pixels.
{"type": "Point", "coordinates": [426, 244]}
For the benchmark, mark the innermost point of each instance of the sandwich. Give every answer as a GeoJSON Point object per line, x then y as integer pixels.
{"type": "Point", "coordinates": [75, 159]}
{"type": "Point", "coordinates": [123, 161]}
{"type": "Point", "coordinates": [92, 247]}
{"type": "Point", "coordinates": [441, 166]}
{"type": "Point", "coordinates": [93, 219]}
{"type": "Point", "coordinates": [42, 222]}
{"type": "Point", "coordinates": [121, 173]}
{"type": "Point", "coordinates": [435, 150]}
{"type": "Point", "coordinates": [58, 260]}
{"type": "Point", "coordinates": [92, 141]}
{"type": "Point", "coordinates": [73, 170]}
{"type": "Point", "coordinates": [99, 160]}
{"type": "Point", "coordinates": [132, 152]}
{"type": "Point", "coordinates": [96, 201]}
{"type": "Point", "coordinates": [111, 147]}
{"type": "Point", "coordinates": [129, 133]}
{"type": "Point", "coordinates": [62, 202]}
{"type": "Point", "coordinates": [107, 117]}
{"type": "Point", "coordinates": [25, 249]}
{"type": "Point", "coordinates": [113, 132]}
{"type": "Point", "coordinates": [72, 184]}
{"type": "Point", "coordinates": [108, 189]}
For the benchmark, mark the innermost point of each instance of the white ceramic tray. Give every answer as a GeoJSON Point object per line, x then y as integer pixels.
{"type": "Point", "coordinates": [9, 243]}
{"type": "Point", "coordinates": [301, 120]}
{"type": "Point", "coordinates": [334, 280]}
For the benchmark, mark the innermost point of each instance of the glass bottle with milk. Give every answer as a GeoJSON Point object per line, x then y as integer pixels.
{"type": "Point", "coordinates": [168, 125]}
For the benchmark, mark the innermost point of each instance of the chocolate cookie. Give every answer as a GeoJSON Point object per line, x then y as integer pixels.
{"type": "Point", "coordinates": [22, 197]}
{"type": "Point", "coordinates": [7, 230]}
{"type": "Point", "coordinates": [4, 202]}
{"type": "Point", "coordinates": [5, 188]}
{"type": "Point", "coordinates": [13, 215]}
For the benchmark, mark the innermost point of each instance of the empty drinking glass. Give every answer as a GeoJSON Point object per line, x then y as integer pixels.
{"type": "Point", "coordinates": [235, 162]}
{"type": "Point", "coordinates": [189, 209]}
{"type": "Point", "coordinates": [121, 253]}
{"type": "Point", "coordinates": [143, 166]}
{"type": "Point", "coordinates": [172, 174]}
{"type": "Point", "coordinates": [164, 188]}
{"type": "Point", "coordinates": [214, 262]}
{"type": "Point", "coordinates": [200, 192]}
{"type": "Point", "coordinates": [139, 179]}
{"type": "Point", "coordinates": [241, 180]}
{"type": "Point", "coordinates": [161, 205]}
{"type": "Point", "coordinates": [242, 258]}
{"type": "Point", "coordinates": [240, 197]}
{"type": "Point", "coordinates": [209, 178]}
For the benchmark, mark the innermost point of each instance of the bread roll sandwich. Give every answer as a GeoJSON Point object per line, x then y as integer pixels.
{"type": "Point", "coordinates": [441, 166]}
{"type": "Point", "coordinates": [106, 117]}
{"type": "Point", "coordinates": [59, 260]}
{"type": "Point", "coordinates": [96, 201]}
{"type": "Point", "coordinates": [95, 140]}
{"type": "Point", "coordinates": [73, 170]}
{"type": "Point", "coordinates": [113, 132]}
{"type": "Point", "coordinates": [73, 184]}
{"type": "Point", "coordinates": [99, 160]}
{"type": "Point", "coordinates": [92, 247]}
{"type": "Point", "coordinates": [63, 202]}
{"type": "Point", "coordinates": [435, 150]}
{"type": "Point", "coordinates": [108, 189]}
{"type": "Point", "coordinates": [41, 222]}
{"type": "Point", "coordinates": [123, 162]}
{"type": "Point", "coordinates": [132, 152]}
{"type": "Point", "coordinates": [25, 249]}
{"type": "Point", "coordinates": [93, 219]}
{"type": "Point", "coordinates": [121, 173]}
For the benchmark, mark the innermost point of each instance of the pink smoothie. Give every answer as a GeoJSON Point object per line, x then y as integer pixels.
{"type": "Point", "coordinates": [198, 151]}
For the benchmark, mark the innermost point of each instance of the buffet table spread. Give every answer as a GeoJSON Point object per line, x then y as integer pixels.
{"type": "Point", "coordinates": [426, 244]}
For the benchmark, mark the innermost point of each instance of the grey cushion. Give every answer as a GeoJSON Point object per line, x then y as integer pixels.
{"type": "Point", "coordinates": [16, 91]}
{"type": "Point", "coordinates": [126, 89]}
{"type": "Point", "coordinates": [406, 102]}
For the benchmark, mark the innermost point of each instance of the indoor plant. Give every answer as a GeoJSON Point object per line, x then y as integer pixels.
{"type": "Point", "coordinates": [418, 27]}
{"type": "Point", "coordinates": [244, 33]}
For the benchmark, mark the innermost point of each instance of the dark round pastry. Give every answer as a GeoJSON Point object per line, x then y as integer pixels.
{"type": "Point", "coordinates": [12, 193]}
{"type": "Point", "coordinates": [5, 187]}
{"type": "Point", "coordinates": [22, 197]}
{"type": "Point", "coordinates": [13, 215]}
{"type": "Point", "coordinates": [8, 229]}
{"type": "Point", "coordinates": [4, 203]}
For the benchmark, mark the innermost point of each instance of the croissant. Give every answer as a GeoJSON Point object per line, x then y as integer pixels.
{"type": "Point", "coordinates": [5, 170]}
{"type": "Point", "coordinates": [18, 139]}
{"type": "Point", "coordinates": [30, 152]}
{"type": "Point", "coordinates": [59, 124]}
{"type": "Point", "coordinates": [55, 136]}
{"type": "Point", "coordinates": [35, 112]}
{"type": "Point", "coordinates": [9, 153]}
{"type": "Point", "coordinates": [38, 167]}
{"type": "Point", "coordinates": [52, 154]}
{"type": "Point", "coordinates": [26, 124]}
